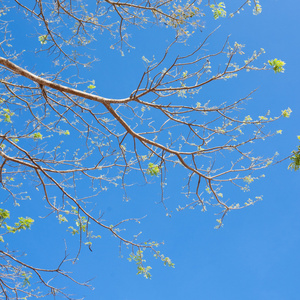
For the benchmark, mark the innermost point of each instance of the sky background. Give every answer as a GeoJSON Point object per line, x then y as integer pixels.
{"type": "Point", "coordinates": [255, 255]}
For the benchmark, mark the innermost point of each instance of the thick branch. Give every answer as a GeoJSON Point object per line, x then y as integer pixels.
{"type": "Point", "coordinates": [41, 81]}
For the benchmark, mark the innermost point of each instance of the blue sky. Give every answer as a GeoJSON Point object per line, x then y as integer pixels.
{"type": "Point", "coordinates": [255, 255]}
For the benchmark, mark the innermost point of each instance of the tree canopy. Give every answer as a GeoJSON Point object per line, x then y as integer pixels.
{"type": "Point", "coordinates": [65, 145]}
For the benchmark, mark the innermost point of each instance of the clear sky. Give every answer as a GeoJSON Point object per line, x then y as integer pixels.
{"type": "Point", "coordinates": [255, 255]}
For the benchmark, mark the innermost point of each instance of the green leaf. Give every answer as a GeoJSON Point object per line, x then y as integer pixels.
{"type": "Point", "coordinates": [295, 164]}
{"type": "Point", "coordinates": [26, 276]}
{"type": "Point", "coordinates": [37, 136]}
{"type": "Point", "coordinates": [286, 113]}
{"type": "Point", "coordinates": [153, 169]}
{"type": "Point", "coordinates": [4, 214]}
{"type": "Point", "coordinates": [62, 218]}
{"type": "Point", "coordinates": [43, 39]}
{"type": "Point", "coordinates": [73, 230]}
{"type": "Point", "coordinates": [218, 10]}
{"type": "Point", "coordinates": [257, 8]}
{"type": "Point", "coordinates": [277, 65]}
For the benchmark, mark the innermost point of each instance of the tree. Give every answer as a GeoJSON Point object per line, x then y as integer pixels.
{"type": "Point", "coordinates": [158, 127]}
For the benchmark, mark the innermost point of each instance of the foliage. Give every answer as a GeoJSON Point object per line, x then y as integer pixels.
{"type": "Point", "coordinates": [286, 113]}
{"type": "Point", "coordinates": [24, 223]}
{"type": "Point", "coordinates": [43, 39]}
{"type": "Point", "coordinates": [295, 158]}
{"type": "Point", "coordinates": [218, 10]}
{"type": "Point", "coordinates": [138, 259]}
{"type": "Point", "coordinates": [153, 169]}
{"type": "Point", "coordinates": [257, 8]}
{"type": "Point", "coordinates": [277, 65]}
{"type": "Point", "coordinates": [65, 145]}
